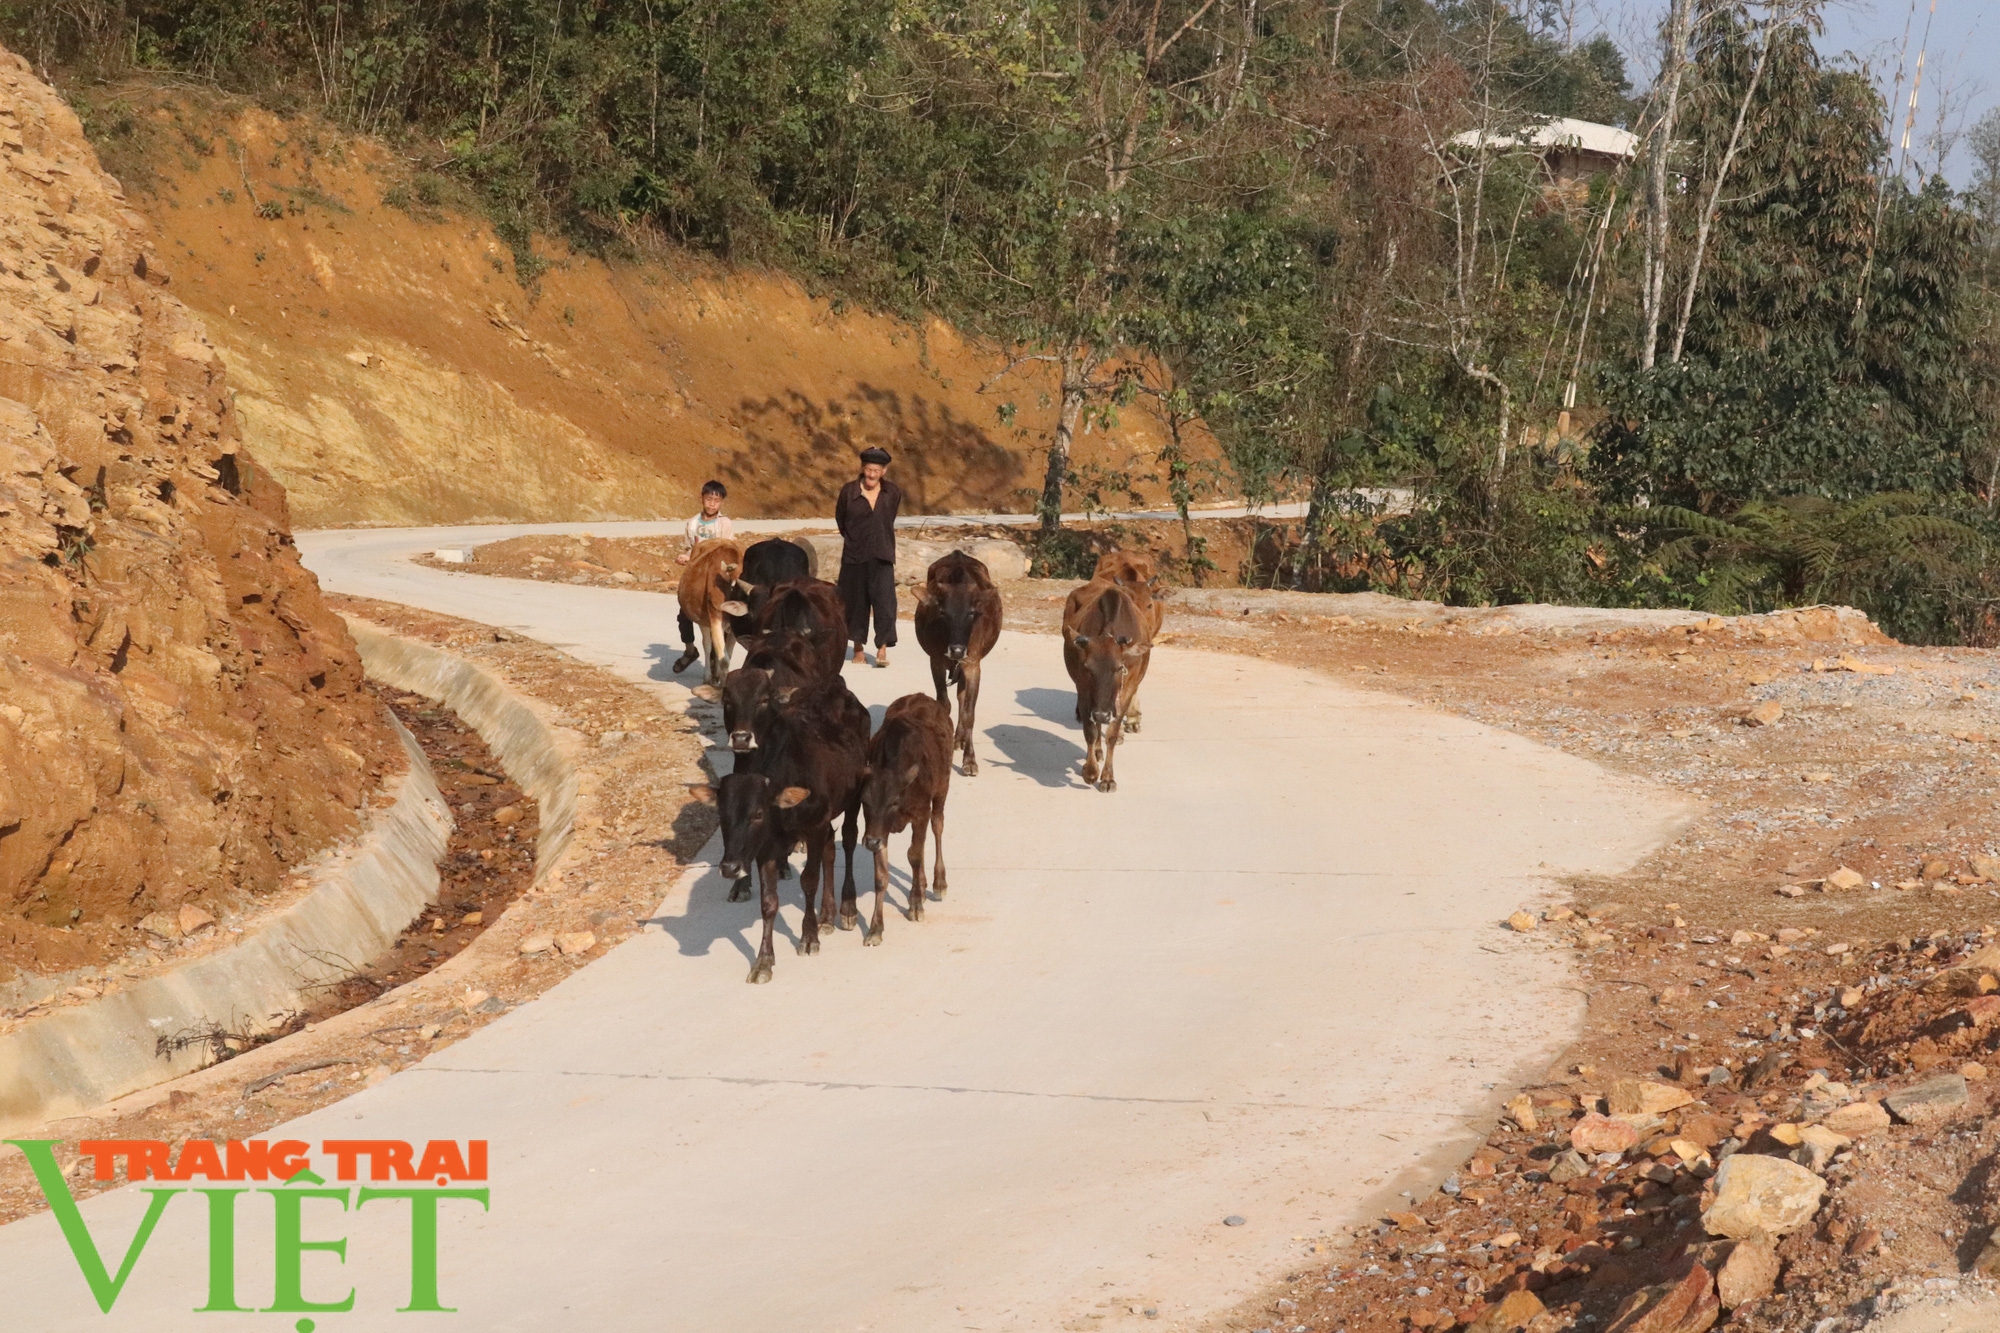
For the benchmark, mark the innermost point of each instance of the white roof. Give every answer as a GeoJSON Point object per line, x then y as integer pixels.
{"type": "Point", "coordinates": [1562, 132]}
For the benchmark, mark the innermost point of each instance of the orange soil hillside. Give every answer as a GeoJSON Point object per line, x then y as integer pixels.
{"type": "Point", "coordinates": [389, 369]}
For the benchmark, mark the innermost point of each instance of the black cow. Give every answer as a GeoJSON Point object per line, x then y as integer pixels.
{"type": "Point", "coordinates": [766, 564]}
{"type": "Point", "coordinates": [810, 763]}
{"type": "Point", "coordinates": [811, 608]}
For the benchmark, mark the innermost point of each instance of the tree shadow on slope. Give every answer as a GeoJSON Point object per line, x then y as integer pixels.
{"type": "Point", "coordinates": [801, 451]}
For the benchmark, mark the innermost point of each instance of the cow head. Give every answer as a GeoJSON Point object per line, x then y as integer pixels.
{"type": "Point", "coordinates": [882, 788]}
{"type": "Point", "coordinates": [1104, 657]}
{"type": "Point", "coordinates": [745, 692]}
{"type": "Point", "coordinates": [747, 802]}
{"type": "Point", "coordinates": [957, 608]}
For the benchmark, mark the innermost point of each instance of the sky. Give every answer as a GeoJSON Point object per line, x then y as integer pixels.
{"type": "Point", "coordinates": [1961, 60]}
{"type": "Point", "coordinates": [1961, 64]}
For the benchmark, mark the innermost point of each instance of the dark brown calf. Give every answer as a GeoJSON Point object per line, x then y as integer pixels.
{"type": "Point", "coordinates": [811, 760]}
{"type": "Point", "coordinates": [958, 622]}
{"type": "Point", "coordinates": [909, 775]}
{"type": "Point", "coordinates": [708, 593]}
{"type": "Point", "coordinates": [1107, 643]}
{"type": "Point", "coordinates": [812, 609]}
{"type": "Point", "coordinates": [780, 660]}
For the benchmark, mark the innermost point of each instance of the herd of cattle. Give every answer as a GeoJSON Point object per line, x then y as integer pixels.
{"type": "Point", "coordinates": [804, 752]}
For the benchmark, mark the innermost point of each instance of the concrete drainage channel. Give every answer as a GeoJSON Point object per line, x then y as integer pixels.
{"type": "Point", "coordinates": [362, 897]}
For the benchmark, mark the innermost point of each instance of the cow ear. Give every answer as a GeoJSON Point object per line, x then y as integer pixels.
{"type": "Point", "coordinates": [735, 609]}
{"type": "Point", "coordinates": [785, 693]}
{"type": "Point", "coordinates": [702, 792]}
{"type": "Point", "coordinates": [791, 796]}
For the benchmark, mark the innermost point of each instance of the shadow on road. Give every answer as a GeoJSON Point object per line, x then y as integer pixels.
{"type": "Point", "coordinates": [710, 917]}
{"type": "Point", "coordinates": [662, 657]}
{"type": "Point", "coordinates": [1049, 759]}
{"type": "Point", "coordinates": [1053, 705]}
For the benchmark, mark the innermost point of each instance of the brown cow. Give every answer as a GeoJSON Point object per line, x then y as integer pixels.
{"type": "Point", "coordinates": [710, 593]}
{"type": "Point", "coordinates": [811, 608]}
{"type": "Point", "coordinates": [958, 622]}
{"type": "Point", "coordinates": [909, 775]}
{"type": "Point", "coordinates": [1138, 572]}
{"type": "Point", "coordinates": [1107, 642]}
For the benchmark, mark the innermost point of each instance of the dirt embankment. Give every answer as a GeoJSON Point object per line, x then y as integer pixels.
{"type": "Point", "coordinates": [181, 717]}
{"type": "Point", "coordinates": [390, 368]}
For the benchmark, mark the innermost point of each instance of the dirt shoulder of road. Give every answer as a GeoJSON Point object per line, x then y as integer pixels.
{"type": "Point", "coordinates": [462, 963]}
{"type": "Point", "coordinates": [1741, 986]}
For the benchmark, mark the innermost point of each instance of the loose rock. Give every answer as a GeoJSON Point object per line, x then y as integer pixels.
{"type": "Point", "coordinates": [1756, 1194]}
{"type": "Point", "coordinates": [1600, 1133]}
{"type": "Point", "coordinates": [576, 943]}
{"type": "Point", "coordinates": [1856, 1119]}
{"type": "Point", "coordinates": [1514, 1312]}
{"type": "Point", "coordinates": [1687, 1306]}
{"type": "Point", "coordinates": [1749, 1274]}
{"type": "Point", "coordinates": [1930, 1102]}
{"type": "Point", "coordinates": [540, 942]}
{"type": "Point", "coordinates": [1764, 713]}
{"type": "Point", "coordinates": [1844, 878]}
{"type": "Point", "coordinates": [1521, 922]}
{"type": "Point", "coordinates": [1635, 1096]}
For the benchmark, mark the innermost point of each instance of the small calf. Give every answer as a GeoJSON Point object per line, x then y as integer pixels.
{"type": "Point", "coordinates": [909, 776]}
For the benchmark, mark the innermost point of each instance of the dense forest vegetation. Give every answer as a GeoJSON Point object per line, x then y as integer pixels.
{"type": "Point", "coordinates": [1751, 365]}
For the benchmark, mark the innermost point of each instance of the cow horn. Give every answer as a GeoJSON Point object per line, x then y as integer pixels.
{"type": "Point", "coordinates": [791, 796]}
{"type": "Point", "coordinates": [748, 588]}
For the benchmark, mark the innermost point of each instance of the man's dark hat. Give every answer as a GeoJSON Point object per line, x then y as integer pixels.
{"type": "Point", "coordinates": [875, 454]}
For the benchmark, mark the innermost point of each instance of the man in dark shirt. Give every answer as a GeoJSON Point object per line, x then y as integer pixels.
{"type": "Point", "coordinates": [866, 515]}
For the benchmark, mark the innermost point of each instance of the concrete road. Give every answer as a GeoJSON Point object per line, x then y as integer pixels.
{"type": "Point", "coordinates": [1263, 979]}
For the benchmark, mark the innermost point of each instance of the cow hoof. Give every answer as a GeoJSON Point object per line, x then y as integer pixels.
{"type": "Point", "coordinates": [809, 946]}
{"type": "Point", "coordinates": [1107, 785]}
{"type": "Point", "coordinates": [1090, 775]}
{"type": "Point", "coordinates": [971, 768]}
{"type": "Point", "coordinates": [760, 972]}
{"type": "Point", "coordinates": [873, 937]}
{"type": "Point", "coordinates": [849, 920]}
{"type": "Point", "coordinates": [1132, 724]}
{"type": "Point", "coordinates": [937, 893]}
{"type": "Point", "coordinates": [739, 892]}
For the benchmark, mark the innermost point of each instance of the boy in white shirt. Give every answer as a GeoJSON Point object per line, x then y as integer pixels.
{"type": "Point", "coordinates": [710, 523]}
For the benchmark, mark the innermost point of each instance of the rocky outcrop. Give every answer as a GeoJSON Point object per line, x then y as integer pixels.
{"type": "Point", "coordinates": [180, 714]}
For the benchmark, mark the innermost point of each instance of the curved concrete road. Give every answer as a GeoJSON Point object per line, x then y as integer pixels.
{"type": "Point", "coordinates": [1261, 979]}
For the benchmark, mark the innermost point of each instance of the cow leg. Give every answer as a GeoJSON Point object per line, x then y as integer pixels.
{"type": "Point", "coordinates": [760, 970]}
{"type": "Point", "coordinates": [1105, 781]}
{"type": "Point", "coordinates": [1132, 717]}
{"type": "Point", "coordinates": [968, 704]}
{"type": "Point", "coordinates": [938, 677]}
{"type": "Point", "coordinates": [850, 916]}
{"type": "Point", "coordinates": [1090, 738]}
{"type": "Point", "coordinates": [917, 887]}
{"type": "Point", "coordinates": [739, 890]}
{"type": "Point", "coordinates": [719, 640]}
{"type": "Point", "coordinates": [938, 886]}
{"type": "Point", "coordinates": [874, 935]}
{"type": "Point", "coordinates": [815, 854]}
{"type": "Point", "coordinates": [829, 903]}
